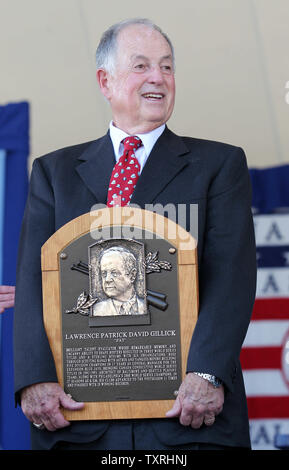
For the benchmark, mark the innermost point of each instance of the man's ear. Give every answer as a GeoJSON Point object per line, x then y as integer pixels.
{"type": "Point", "coordinates": [103, 79]}
{"type": "Point", "coordinates": [132, 275]}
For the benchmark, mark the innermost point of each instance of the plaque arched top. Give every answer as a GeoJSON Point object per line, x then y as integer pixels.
{"type": "Point", "coordinates": [161, 226]}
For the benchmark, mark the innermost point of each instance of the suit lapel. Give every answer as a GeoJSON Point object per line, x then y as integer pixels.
{"type": "Point", "coordinates": [163, 164]}
{"type": "Point", "coordinates": [96, 166]}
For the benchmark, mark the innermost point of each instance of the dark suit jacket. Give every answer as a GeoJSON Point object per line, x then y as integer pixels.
{"type": "Point", "coordinates": [180, 170]}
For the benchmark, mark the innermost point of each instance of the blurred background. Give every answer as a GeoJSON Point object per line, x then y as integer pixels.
{"type": "Point", "coordinates": [232, 79]}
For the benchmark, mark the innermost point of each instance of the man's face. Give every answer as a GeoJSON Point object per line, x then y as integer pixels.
{"type": "Point", "coordinates": [116, 282]}
{"type": "Point", "coordinates": [141, 91]}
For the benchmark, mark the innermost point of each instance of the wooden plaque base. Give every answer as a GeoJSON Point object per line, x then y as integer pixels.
{"type": "Point", "coordinates": [186, 260]}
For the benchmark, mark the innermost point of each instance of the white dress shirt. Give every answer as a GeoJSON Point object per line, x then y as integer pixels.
{"type": "Point", "coordinates": [142, 153]}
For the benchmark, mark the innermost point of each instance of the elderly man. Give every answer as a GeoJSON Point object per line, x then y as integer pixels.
{"type": "Point", "coordinates": [135, 72]}
{"type": "Point", "coordinates": [118, 273]}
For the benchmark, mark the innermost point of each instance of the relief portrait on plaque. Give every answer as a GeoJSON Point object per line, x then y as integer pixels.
{"type": "Point", "coordinates": [117, 274]}
{"type": "Point", "coordinates": [117, 271]}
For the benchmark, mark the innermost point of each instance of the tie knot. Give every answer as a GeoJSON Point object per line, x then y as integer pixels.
{"type": "Point", "coordinates": [131, 143]}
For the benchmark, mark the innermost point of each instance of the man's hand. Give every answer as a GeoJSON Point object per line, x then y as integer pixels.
{"type": "Point", "coordinates": [7, 295]}
{"type": "Point", "coordinates": [198, 402]}
{"type": "Point", "coordinates": [41, 404]}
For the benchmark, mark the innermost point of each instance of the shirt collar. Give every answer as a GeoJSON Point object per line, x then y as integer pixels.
{"type": "Point", "coordinates": [149, 139]}
{"type": "Point", "coordinates": [126, 306]}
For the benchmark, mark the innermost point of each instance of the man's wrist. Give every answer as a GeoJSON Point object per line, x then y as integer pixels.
{"type": "Point", "coordinates": [215, 381]}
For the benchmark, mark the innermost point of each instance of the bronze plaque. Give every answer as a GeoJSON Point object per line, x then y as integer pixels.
{"type": "Point", "coordinates": [120, 346]}
{"type": "Point", "coordinates": [120, 323]}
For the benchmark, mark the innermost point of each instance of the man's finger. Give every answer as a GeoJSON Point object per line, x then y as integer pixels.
{"type": "Point", "coordinates": [197, 421]}
{"type": "Point", "coordinates": [68, 403]}
{"type": "Point", "coordinates": [175, 410]}
{"type": "Point", "coordinates": [7, 289]}
{"type": "Point", "coordinates": [187, 414]}
{"type": "Point", "coordinates": [6, 303]}
{"type": "Point", "coordinates": [209, 419]}
{"type": "Point", "coordinates": [5, 297]}
{"type": "Point", "coordinates": [56, 421]}
{"type": "Point", "coordinates": [51, 422]}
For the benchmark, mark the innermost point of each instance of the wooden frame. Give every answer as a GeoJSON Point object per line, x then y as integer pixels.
{"type": "Point", "coordinates": [186, 248]}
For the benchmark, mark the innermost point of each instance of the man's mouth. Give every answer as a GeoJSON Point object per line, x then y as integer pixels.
{"type": "Point", "coordinates": [109, 286]}
{"type": "Point", "coordinates": [153, 96]}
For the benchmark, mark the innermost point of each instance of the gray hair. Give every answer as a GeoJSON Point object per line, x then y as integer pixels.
{"type": "Point", "coordinates": [106, 51]}
{"type": "Point", "coordinates": [128, 258]}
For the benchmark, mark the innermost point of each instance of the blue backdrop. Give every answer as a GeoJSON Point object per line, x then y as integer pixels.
{"type": "Point", "coordinates": [14, 146]}
{"type": "Point", "coordinates": [270, 189]}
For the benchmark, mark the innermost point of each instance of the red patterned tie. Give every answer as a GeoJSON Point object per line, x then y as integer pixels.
{"type": "Point", "coordinates": [124, 174]}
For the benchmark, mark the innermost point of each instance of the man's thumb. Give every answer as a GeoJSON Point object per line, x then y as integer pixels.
{"type": "Point", "coordinates": [175, 410]}
{"type": "Point", "coordinates": [68, 403]}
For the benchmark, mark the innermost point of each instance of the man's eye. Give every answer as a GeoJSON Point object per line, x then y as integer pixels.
{"type": "Point", "coordinates": [167, 68]}
{"type": "Point", "coordinates": [140, 67]}
{"type": "Point", "coordinates": [115, 273]}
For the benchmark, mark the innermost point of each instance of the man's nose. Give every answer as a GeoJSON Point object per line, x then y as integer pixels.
{"type": "Point", "coordinates": [155, 75]}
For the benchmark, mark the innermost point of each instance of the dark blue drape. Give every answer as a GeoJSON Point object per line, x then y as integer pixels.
{"type": "Point", "coordinates": [270, 189]}
{"type": "Point", "coordinates": [14, 139]}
